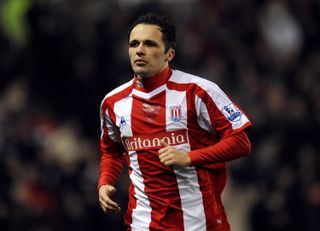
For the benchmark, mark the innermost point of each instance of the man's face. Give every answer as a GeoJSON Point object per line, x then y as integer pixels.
{"type": "Point", "coordinates": [147, 50]}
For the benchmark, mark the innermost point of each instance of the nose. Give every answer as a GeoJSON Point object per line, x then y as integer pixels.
{"type": "Point", "coordinates": [140, 50]}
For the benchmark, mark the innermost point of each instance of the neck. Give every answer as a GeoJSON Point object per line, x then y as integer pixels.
{"type": "Point", "coordinates": [151, 82]}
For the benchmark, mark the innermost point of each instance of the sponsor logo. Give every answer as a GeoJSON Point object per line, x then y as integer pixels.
{"type": "Point", "coordinates": [175, 113]}
{"type": "Point", "coordinates": [232, 113]}
{"type": "Point", "coordinates": [152, 141]}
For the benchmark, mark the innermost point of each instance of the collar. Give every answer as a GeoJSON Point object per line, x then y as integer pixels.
{"type": "Point", "coordinates": [151, 83]}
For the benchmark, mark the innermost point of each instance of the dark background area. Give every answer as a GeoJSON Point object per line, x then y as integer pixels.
{"type": "Point", "coordinates": [59, 58]}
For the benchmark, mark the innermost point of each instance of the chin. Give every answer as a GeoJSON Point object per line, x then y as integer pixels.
{"type": "Point", "coordinates": [142, 73]}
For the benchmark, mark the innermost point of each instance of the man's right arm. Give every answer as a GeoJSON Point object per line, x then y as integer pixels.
{"type": "Point", "coordinates": [111, 148]}
{"type": "Point", "coordinates": [111, 162]}
{"type": "Point", "coordinates": [111, 165]}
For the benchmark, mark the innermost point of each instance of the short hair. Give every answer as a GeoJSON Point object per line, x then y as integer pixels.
{"type": "Point", "coordinates": [167, 27]}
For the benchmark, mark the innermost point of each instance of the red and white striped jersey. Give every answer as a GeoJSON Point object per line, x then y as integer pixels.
{"type": "Point", "coordinates": [188, 112]}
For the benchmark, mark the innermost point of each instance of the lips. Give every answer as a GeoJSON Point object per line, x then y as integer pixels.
{"type": "Point", "coordinates": [140, 62]}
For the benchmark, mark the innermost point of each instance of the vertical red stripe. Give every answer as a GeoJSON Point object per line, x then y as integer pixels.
{"type": "Point", "coordinates": [149, 116]}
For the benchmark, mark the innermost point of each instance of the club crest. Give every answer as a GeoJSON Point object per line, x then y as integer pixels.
{"type": "Point", "coordinates": [175, 113]}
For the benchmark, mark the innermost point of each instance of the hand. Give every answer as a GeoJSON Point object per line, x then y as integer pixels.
{"type": "Point", "coordinates": [170, 156]}
{"type": "Point", "coordinates": [108, 205]}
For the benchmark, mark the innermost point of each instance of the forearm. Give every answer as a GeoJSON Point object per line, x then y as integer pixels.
{"type": "Point", "coordinates": [229, 148]}
{"type": "Point", "coordinates": [110, 169]}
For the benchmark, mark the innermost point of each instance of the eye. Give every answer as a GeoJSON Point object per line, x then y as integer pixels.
{"type": "Point", "coordinates": [150, 43]}
{"type": "Point", "coordinates": [134, 43]}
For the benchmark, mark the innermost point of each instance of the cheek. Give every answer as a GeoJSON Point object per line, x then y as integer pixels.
{"type": "Point", "coordinates": [130, 55]}
{"type": "Point", "coordinates": [159, 57]}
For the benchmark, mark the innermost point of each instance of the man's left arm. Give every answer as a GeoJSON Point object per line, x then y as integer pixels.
{"type": "Point", "coordinates": [229, 148]}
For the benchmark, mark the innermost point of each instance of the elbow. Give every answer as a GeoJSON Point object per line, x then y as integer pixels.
{"type": "Point", "coordinates": [247, 146]}
{"type": "Point", "coordinates": [248, 149]}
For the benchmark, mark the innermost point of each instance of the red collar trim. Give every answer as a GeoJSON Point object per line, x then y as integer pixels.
{"type": "Point", "coordinates": [151, 83]}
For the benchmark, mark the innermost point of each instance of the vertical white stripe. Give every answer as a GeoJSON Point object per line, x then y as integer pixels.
{"type": "Point", "coordinates": [141, 215]}
{"type": "Point", "coordinates": [101, 123]}
{"type": "Point", "coordinates": [189, 188]}
{"type": "Point", "coordinates": [111, 129]}
{"type": "Point", "coordinates": [203, 117]}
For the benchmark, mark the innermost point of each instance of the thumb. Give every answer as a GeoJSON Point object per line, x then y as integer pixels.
{"type": "Point", "coordinates": [111, 189]}
{"type": "Point", "coordinates": [164, 144]}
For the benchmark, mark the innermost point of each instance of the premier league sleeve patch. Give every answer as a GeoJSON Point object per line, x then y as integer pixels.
{"type": "Point", "coordinates": [232, 113]}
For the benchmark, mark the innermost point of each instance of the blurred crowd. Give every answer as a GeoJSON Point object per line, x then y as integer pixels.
{"type": "Point", "coordinates": [58, 59]}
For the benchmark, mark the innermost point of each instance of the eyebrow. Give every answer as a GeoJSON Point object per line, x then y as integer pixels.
{"type": "Point", "coordinates": [147, 41]}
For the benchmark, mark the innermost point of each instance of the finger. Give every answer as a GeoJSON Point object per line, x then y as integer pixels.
{"type": "Point", "coordinates": [166, 160]}
{"type": "Point", "coordinates": [103, 205]}
{"type": "Point", "coordinates": [108, 203]}
{"type": "Point", "coordinates": [164, 157]}
{"type": "Point", "coordinates": [106, 193]}
{"type": "Point", "coordinates": [164, 154]}
{"type": "Point", "coordinates": [103, 209]}
{"type": "Point", "coordinates": [109, 206]}
{"type": "Point", "coordinates": [165, 148]}
{"type": "Point", "coordinates": [111, 190]}
{"type": "Point", "coordinates": [110, 210]}
{"type": "Point", "coordinates": [163, 143]}
{"type": "Point", "coordinates": [162, 151]}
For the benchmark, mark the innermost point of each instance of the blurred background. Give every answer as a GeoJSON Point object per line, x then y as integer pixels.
{"type": "Point", "coordinates": [58, 59]}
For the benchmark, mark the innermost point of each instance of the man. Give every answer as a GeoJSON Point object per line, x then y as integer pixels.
{"type": "Point", "coordinates": [175, 131]}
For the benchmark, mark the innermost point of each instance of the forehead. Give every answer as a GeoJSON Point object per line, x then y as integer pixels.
{"type": "Point", "coordinates": [146, 32]}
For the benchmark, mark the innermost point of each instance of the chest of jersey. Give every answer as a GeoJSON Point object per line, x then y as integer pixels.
{"type": "Point", "coordinates": [151, 113]}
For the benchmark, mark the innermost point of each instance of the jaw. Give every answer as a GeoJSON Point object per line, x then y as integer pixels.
{"type": "Point", "coordinates": [147, 70]}
{"type": "Point", "coordinates": [141, 70]}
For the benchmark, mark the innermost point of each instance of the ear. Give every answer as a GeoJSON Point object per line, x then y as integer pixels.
{"type": "Point", "coordinates": [170, 54]}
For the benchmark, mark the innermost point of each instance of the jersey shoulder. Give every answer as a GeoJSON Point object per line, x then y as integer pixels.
{"type": "Point", "coordinates": [118, 93]}
{"type": "Point", "coordinates": [181, 77]}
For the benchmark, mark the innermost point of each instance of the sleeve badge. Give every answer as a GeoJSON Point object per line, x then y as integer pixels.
{"type": "Point", "coordinates": [232, 113]}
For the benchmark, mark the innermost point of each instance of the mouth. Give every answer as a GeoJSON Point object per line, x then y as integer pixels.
{"type": "Point", "coordinates": [140, 62]}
